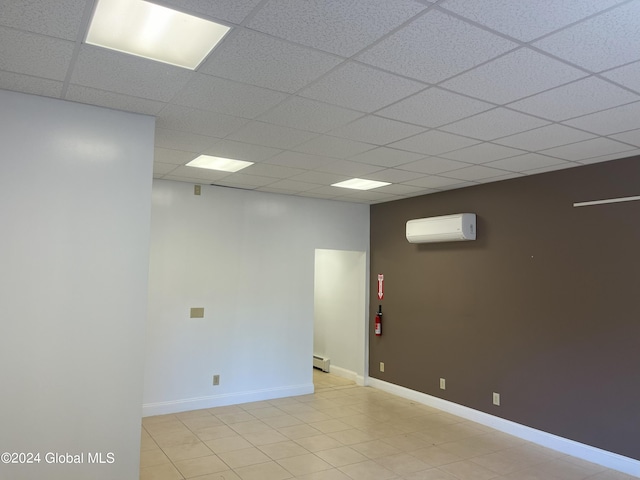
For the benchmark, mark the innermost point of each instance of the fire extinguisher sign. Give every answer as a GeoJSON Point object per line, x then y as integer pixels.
{"type": "Point", "coordinates": [380, 286]}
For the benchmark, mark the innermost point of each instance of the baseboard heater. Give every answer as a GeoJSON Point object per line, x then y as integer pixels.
{"type": "Point", "coordinates": [321, 363]}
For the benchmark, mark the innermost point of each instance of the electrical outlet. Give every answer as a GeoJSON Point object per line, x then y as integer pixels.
{"type": "Point", "coordinates": [443, 384]}
{"type": "Point", "coordinates": [216, 379]}
{"type": "Point", "coordinates": [197, 189]}
{"type": "Point", "coordinates": [382, 367]}
{"type": "Point", "coordinates": [496, 399]}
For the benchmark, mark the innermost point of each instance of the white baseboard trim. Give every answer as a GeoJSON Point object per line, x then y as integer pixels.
{"type": "Point", "coordinates": [186, 404]}
{"type": "Point", "coordinates": [348, 374]}
{"type": "Point", "coordinates": [570, 447]}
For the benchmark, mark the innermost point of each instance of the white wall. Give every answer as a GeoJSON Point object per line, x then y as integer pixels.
{"type": "Point", "coordinates": [75, 187]}
{"type": "Point", "coordinates": [248, 259]}
{"type": "Point", "coordinates": [340, 311]}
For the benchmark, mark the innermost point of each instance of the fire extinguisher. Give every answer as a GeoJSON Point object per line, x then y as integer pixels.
{"type": "Point", "coordinates": [378, 328]}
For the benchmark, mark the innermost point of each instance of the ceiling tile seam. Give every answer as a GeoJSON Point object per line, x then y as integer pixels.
{"type": "Point", "coordinates": [352, 57]}
{"type": "Point", "coordinates": [254, 11]}
{"type": "Point", "coordinates": [562, 122]}
{"type": "Point", "coordinates": [582, 20]}
{"type": "Point", "coordinates": [35, 77]}
{"type": "Point", "coordinates": [443, 9]}
{"type": "Point", "coordinates": [393, 31]}
{"type": "Point", "coordinates": [609, 137]}
{"type": "Point", "coordinates": [581, 79]}
{"type": "Point", "coordinates": [87, 14]}
{"type": "Point", "coordinates": [613, 82]}
{"type": "Point", "coordinates": [377, 112]}
{"type": "Point", "coordinates": [125, 95]}
{"type": "Point", "coordinates": [481, 26]}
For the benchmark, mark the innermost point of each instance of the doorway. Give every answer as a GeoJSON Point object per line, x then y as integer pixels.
{"type": "Point", "coordinates": [340, 306]}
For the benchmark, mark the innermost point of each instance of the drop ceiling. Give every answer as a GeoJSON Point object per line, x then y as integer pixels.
{"type": "Point", "coordinates": [428, 96]}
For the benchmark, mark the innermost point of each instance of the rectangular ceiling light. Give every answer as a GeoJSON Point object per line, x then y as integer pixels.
{"type": "Point", "coordinates": [360, 184]}
{"type": "Point", "coordinates": [218, 163]}
{"type": "Point", "coordinates": [155, 32]}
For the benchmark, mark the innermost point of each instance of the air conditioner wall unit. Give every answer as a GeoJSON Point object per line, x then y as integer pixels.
{"type": "Point", "coordinates": [447, 228]}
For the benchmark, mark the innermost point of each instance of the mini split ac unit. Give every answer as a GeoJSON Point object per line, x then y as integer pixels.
{"type": "Point", "coordinates": [448, 228]}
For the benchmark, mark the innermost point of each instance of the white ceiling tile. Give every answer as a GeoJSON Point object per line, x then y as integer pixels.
{"type": "Point", "coordinates": [270, 170]}
{"type": "Point", "coordinates": [433, 181]}
{"type": "Point", "coordinates": [33, 85]}
{"type": "Point", "coordinates": [270, 135]}
{"type": "Point", "coordinates": [396, 189]}
{"type": "Point", "coordinates": [527, 21]}
{"type": "Point", "coordinates": [176, 178]}
{"type": "Point", "coordinates": [202, 174]}
{"type": "Point", "coordinates": [233, 11]}
{"type": "Point", "coordinates": [475, 173]}
{"type": "Point", "coordinates": [578, 98]}
{"type": "Point", "coordinates": [265, 61]}
{"type": "Point", "coordinates": [628, 75]}
{"type": "Point", "coordinates": [352, 169]}
{"type": "Point", "coordinates": [608, 122]}
{"type": "Point", "coordinates": [177, 140]}
{"type": "Point", "coordinates": [525, 162]}
{"type": "Point", "coordinates": [367, 196]}
{"type": "Point", "coordinates": [241, 151]}
{"type": "Point", "coordinates": [499, 178]}
{"type": "Point", "coordinates": [434, 143]}
{"type": "Point", "coordinates": [386, 157]}
{"type": "Point", "coordinates": [613, 156]}
{"type": "Point", "coordinates": [337, 26]}
{"type": "Point", "coordinates": [376, 130]}
{"type": "Point", "coordinates": [632, 137]}
{"type": "Point", "coordinates": [203, 122]}
{"type": "Point", "coordinates": [599, 43]}
{"type": "Point", "coordinates": [435, 46]}
{"type": "Point", "coordinates": [163, 168]}
{"type": "Point", "coordinates": [226, 96]}
{"type": "Point", "coordinates": [175, 157]}
{"type": "Point", "coordinates": [587, 149]}
{"type": "Point", "coordinates": [482, 153]}
{"type": "Point", "coordinates": [393, 175]}
{"type": "Point", "coordinates": [333, 147]}
{"type": "Point", "coordinates": [515, 75]}
{"type": "Point", "coordinates": [292, 185]}
{"type": "Point", "coordinates": [320, 178]}
{"type": "Point", "coordinates": [551, 168]}
{"type": "Point", "coordinates": [362, 88]}
{"type": "Point", "coordinates": [91, 96]}
{"type": "Point", "coordinates": [60, 19]}
{"type": "Point", "coordinates": [433, 165]}
{"type": "Point", "coordinates": [300, 160]}
{"type": "Point", "coordinates": [35, 55]}
{"type": "Point", "coordinates": [243, 180]}
{"type": "Point", "coordinates": [494, 124]}
{"type": "Point", "coordinates": [545, 137]}
{"type": "Point", "coordinates": [307, 114]}
{"type": "Point", "coordinates": [117, 72]}
{"type": "Point", "coordinates": [327, 191]}
{"type": "Point", "coordinates": [434, 107]}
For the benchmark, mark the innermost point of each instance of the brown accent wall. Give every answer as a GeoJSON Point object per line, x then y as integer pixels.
{"type": "Point", "coordinates": [543, 308]}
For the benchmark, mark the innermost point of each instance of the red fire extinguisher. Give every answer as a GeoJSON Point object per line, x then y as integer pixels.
{"type": "Point", "coordinates": [378, 327]}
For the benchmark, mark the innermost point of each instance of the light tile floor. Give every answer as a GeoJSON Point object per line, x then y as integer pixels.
{"type": "Point", "coordinates": [344, 432]}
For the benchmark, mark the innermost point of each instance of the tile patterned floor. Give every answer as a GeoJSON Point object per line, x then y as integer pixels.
{"type": "Point", "coordinates": [344, 432]}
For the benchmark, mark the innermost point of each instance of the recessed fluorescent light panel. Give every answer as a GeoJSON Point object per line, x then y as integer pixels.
{"type": "Point", "coordinates": [360, 184]}
{"type": "Point", "coordinates": [153, 31]}
{"type": "Point", "coordinates": [218, 163]}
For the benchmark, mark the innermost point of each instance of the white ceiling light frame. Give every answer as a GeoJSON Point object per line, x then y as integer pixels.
{"type": "Point", "coordinates": [218, 163]}
{"type": "Point", "coordinates": [360, 184]}
{"type": "Point", "coordinates": [155, 32]}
